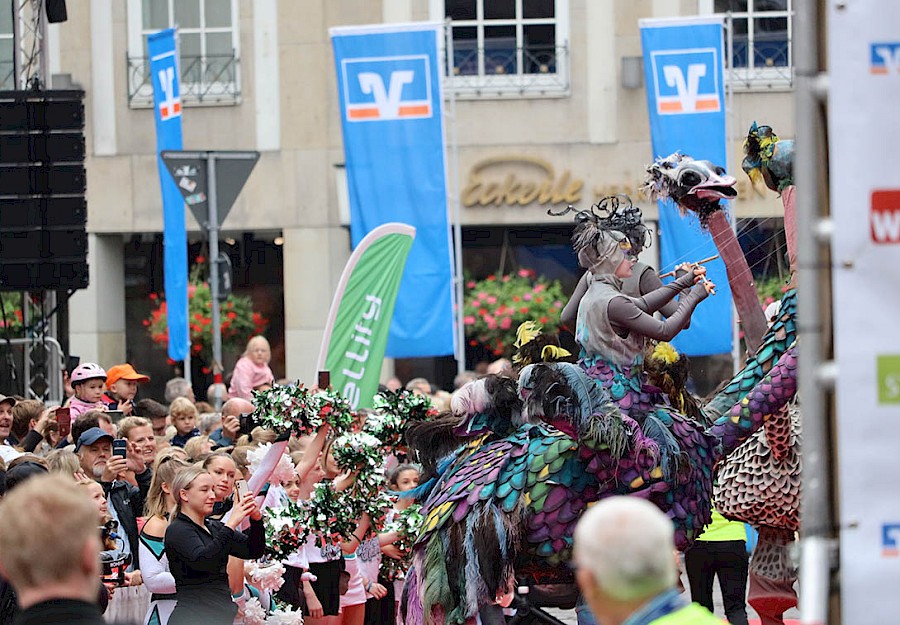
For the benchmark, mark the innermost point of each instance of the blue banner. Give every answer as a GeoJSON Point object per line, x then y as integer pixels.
{"type": "Point", "coordinates": [167, 112]}
{"type": "Point", "coordinates": [683, 66]}
{"type": "Point", "coordinates": [389, 83]}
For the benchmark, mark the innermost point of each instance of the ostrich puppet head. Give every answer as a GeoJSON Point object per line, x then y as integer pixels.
{"type": "Point", "coordinates": [695, 186]}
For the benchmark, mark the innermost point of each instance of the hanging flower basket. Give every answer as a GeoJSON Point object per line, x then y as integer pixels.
{"type": "Point", "coordinates": [495, 306]}
{"type": "Point", "coordinates": [12, 311]}
{"type": "Point", "coordinates": [239, 321]}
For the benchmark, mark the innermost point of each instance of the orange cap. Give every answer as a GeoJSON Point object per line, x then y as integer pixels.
{"type": "Point", "coordinates": [124, 372]}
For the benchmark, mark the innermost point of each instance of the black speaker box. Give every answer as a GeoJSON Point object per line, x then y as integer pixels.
{"type": "Point", "coordinates": [43, 212]}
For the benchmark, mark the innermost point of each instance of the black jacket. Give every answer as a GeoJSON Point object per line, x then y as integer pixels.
{"type": "Point", "coordinates": [129, 504]}
{"type": "Point", "coordinates": [70, 611]}
{"type": "Point", "coordinates": [198, 559]}
{"type": "Point", "coordinates": [10, 613]}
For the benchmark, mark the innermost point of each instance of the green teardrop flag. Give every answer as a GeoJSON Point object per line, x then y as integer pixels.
{"type": "Point", "coordinates": [356, 332]}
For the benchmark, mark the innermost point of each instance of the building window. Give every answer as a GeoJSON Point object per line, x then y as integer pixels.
{"type": "Point", "coordinates": [208, 45]}
{"type": "Point", "coordinates": [7, 44]}
{"type": "Point", "coordinates": [761, 42]}
{"type": "Point", "coordinates": [508, 47]}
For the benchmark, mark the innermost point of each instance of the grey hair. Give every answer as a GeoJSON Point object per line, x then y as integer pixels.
{"type": "Point", "coordinates": [209, 421]}
{"type": "Point", "coordinates": [177, 387]}
{"type": "Point", "coordinates": [627, 544]}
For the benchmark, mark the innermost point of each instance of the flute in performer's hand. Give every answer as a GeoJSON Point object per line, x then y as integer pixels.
{"type": "Point", "coordinates": [687, 266]}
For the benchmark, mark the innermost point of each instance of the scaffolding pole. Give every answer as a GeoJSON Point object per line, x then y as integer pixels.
{"type": "Point", "coordinates": [812, 272]}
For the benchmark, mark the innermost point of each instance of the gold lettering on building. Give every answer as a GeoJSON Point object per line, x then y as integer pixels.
{"type": "Point", "coordinates": [543, 188]}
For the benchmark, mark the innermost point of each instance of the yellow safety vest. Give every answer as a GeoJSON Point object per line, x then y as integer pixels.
{"type": "Point", "coordinates": [693, 614]}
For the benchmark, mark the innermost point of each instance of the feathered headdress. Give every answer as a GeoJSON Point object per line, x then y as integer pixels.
{"type": "Point", "coordinates": [759, 147]}
{"type": "Point", "coordinates": [614, 212]}
{"type": "Point", "coordinates": [534, 346]}
{"type": "Point", "coordinates": [669, 371]}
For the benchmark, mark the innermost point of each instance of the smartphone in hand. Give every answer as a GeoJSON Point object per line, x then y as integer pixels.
{"type": "Point", "coordinates": [63, 421]}
{"type": "Point", "coordinates": [241, 489]}
{"type": "Point", "coordinates": [120, 447]}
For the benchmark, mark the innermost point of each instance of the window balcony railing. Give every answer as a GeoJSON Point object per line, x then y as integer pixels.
{"type": "Point", "coordinates": [211, 80]}
{"type": "Point", "coordinates": [771, 65]}
{"type": "Point", "coordinates": [501, 68]}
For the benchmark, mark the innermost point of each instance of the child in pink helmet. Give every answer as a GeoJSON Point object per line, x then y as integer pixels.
{"type": "Point", "coordinates": [89, 382]}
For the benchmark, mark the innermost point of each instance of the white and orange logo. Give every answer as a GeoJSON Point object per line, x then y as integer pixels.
{"type": "Point", "coordinates": [686, 81]}
{"type": "Point", "coordinates": [170, 105]}
{"type": "Point", "coordinates": [387, 88]}
{"type": "Point", "coordinates": [884, 58]}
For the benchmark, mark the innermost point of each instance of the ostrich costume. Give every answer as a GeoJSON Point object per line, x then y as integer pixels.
{"type": "Point", "coordinates": [505, 502]}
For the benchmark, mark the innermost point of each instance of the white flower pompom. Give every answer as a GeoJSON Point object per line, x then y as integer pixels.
{"type": "Point", "coordinates": [284, 470]}
{"type": "Point", "coordinates": [253, 612]}
{"type": "Point", "coordinates": [285, 617]}
{"type": "Point", "coordinates": [269, 577]}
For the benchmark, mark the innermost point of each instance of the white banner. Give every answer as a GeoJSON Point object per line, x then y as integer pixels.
{"type": "Point", "coordinates": [864, 135]}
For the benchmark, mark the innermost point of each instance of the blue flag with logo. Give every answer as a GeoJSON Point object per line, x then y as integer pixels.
{"type": "Point", "coordinates": [167, 112]}
{"type": "Point", "coordinates": [683, 67]}
{"type": "Point", "coordinates": [389, 84]}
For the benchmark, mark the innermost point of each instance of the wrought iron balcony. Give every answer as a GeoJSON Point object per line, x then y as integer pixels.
{"type": "Point", "coordinates": [501, 67]}
{"type": "Point", "coordinates": [764, 63]}
{"type": "Point", "coordinates": [205, 81]}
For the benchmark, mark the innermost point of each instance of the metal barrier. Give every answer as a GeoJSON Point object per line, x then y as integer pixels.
{"type": "Point", "coordinates": [42, 363]}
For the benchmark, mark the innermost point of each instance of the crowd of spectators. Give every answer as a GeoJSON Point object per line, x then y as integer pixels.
{"type": "Point", "coordinates": [158, 475]}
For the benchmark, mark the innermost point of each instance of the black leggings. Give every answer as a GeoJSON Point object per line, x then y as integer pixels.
{"type": "Point", "coordinates": [729, 560]}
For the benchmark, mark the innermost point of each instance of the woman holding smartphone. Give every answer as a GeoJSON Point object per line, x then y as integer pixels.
{"type": "Point", "coordinates": [198, 549]}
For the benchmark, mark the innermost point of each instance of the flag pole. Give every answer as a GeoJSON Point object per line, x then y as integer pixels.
{"type": "Point", "coordinates": [459, 334]}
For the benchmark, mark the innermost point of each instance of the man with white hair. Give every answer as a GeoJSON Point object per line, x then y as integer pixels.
{"type": "Point", "coordinates": [626, 569]}
{"type": "Point", "coordinates": [49, 551]}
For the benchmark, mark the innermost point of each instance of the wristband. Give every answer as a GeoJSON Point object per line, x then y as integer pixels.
{"type": "Point", "coordinates": [369, 586]}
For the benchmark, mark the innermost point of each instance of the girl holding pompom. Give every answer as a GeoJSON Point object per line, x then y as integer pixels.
{"type": "Point", "coordinates": [402, 478]}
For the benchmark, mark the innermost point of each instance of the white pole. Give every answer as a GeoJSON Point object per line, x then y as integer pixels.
{"type": "Point", "coordinates": [455, 202]}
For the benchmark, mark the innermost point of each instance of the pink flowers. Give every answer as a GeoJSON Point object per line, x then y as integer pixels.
{"type": "Point", "coordinates": [496, 305]}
